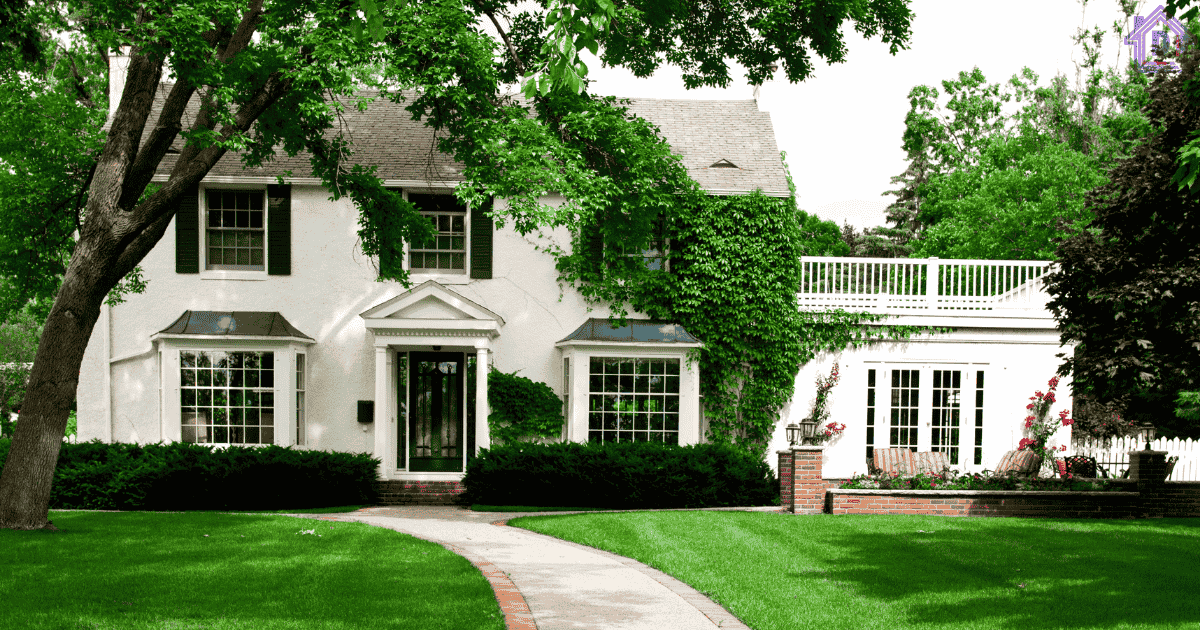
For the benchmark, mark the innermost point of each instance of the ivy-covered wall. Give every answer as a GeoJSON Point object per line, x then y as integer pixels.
{"type": "Point", "coordinates": [731, 281]}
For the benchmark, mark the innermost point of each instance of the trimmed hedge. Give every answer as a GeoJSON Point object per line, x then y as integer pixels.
{"type": "Point", "coordinates": [620, 475]}
{"type": "Point", "coordinates": [179, 476]}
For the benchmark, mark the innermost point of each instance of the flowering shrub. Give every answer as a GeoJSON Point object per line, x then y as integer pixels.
{"type": "Point", "coordinates": [1042, 428]}
{"type": "Point", "coordinates": [828, 432]}
{"type": "Point", "coordinates": [819, 412]}
{"type": "Point", "coordinates": [952, 480]}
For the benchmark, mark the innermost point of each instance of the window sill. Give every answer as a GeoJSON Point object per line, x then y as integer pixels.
{"type": "Point", "coordinates": [214, 274]}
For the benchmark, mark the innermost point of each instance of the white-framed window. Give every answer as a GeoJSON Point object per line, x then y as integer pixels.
{"type": "Point", "coordinates": [235, 223]}
{"type": "Point", "coordinates": [227, 396]}
{"type": "Point", "coordinates": [633, 399]}
{"type": "Point", "coordinates": [656, 256]}
{"type": "Point", "coordinates": [300, 399]}
{"type": "Point", "coordinates": [446, 251]}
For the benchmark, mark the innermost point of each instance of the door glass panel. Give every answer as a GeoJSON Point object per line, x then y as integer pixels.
{"type": "Point", "coordinates": [435, 424]}
{"type": "Point", "coordinates": [947, 391]}
{"type": "Point", "coordinates": [905, 403]}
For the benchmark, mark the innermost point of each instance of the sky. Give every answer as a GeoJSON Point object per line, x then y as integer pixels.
{"type": "Point", "coordinates": [842, 127]}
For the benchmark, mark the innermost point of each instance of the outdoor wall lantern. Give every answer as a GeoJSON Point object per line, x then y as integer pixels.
{"type": "Point", "coordinates": [1147, 432]}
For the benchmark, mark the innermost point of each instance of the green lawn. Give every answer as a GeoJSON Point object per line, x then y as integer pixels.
{"type": "Point", "coordinates": [784, 572]}
{"type": "Point", "coordinates": [133, 570]}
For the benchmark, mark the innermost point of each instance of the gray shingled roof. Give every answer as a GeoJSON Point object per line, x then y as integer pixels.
{"type": "Point", "coordinates": [701, 132]}
{"type": "Point", "coordinates": [634, 330]}
{"type": "Point", "coordinates": [234, 323]}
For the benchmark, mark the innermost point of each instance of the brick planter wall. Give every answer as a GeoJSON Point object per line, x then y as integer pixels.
{"type": "Point", "coordinates": [987, 503]}
{"type": "Point", "coordinates": [1145, 495]}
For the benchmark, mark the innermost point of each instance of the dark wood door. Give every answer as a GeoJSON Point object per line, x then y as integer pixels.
{"type": "Point", "coordinates": [435, 412]}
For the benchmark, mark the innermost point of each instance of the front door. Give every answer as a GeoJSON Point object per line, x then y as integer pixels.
{"type": "Point", "coordinates": [435, 418]}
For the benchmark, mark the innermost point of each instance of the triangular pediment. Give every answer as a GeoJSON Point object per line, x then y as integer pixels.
{"type": "Point", "coordinates": [431, 301]}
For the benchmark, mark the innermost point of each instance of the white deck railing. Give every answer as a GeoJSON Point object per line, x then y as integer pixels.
{"type": "Point", "coordinates": [924, 285]}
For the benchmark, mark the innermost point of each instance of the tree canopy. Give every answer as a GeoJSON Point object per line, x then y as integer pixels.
{"type": "Point", "coordinates": [1127, 292]}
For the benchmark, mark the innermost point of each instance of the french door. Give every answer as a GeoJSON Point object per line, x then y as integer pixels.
{"type": "Point", "coordinates": [435, 419]}
{"type": "Point", "coordinates": [927, 408]}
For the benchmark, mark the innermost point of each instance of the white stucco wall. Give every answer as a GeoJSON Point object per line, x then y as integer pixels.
{"type": "Point", "coordinates": [1016, 363]}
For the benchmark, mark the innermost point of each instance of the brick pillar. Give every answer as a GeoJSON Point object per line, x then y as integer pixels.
{"type": "Point", "coordinates": [808, 485]}
{"type": "Point", "coordinates": [785, 479]}
{"type": "Point", "coordinates": [1149, 468]}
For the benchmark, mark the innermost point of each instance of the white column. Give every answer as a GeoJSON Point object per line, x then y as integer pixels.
{"type": "Point", "coordinates": [482, 436]}
{"type": "Point", "coordinates": [383, 359]}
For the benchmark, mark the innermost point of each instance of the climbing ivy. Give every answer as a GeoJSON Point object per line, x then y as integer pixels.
{"type": "Point", "coordinates": [733, 275]}
{"type": "Point", "coordinates": [522, 408]}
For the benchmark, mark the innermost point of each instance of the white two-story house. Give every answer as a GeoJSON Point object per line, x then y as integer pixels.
{"type": "Point", "coordinates": [263, 322]}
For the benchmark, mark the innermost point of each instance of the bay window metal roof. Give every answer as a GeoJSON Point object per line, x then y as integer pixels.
{"type": "Point", "coordinates": [634, 331]}
{"type": "Point", "coordinates": [234, 324]}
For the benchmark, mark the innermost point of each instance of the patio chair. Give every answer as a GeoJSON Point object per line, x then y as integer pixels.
{"type": "Point", "coordinates": [932, 462]}
{"type": "Point", "coordinates": [893, 460]}
{"type": "Point", "coordinates": [1078, 466]}
{"type": "Point", "coordinates": [905, 462]}
{"type": "Point", "coordinates": [1021, 463]}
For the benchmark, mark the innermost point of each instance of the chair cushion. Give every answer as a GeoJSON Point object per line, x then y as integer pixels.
{"type": "Point", "coordinates": [1019, 462]}
{"type": "Point", "coordinates": [932, 462]}
{"type": "Point", "coordinates": [895, 460]}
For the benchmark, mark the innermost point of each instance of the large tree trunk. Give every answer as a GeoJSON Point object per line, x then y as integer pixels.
{"type": "Point", "coordinates": [29, 471]}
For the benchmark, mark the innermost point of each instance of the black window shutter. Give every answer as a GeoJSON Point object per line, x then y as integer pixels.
{"type": "Point", "coordinates": [384, 256]}
{"type": "Point", "coordinates": [187, 232]}
{"type": "Point", "coordinates": [481, 241]}
{"type": "Point", "coordinates": [593, 241]}
{"type": "Point", "coordinates": [279, 230]}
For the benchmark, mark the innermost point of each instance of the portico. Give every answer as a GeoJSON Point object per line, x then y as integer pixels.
{"type": "Point", "coordinates": [432, 352]}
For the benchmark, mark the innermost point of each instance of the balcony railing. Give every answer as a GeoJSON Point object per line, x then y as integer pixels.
{"type": "Point", "coordinates": [924, 285]}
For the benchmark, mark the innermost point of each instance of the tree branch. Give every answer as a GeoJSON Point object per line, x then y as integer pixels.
{"type": "Point", "coordinates": [507, 42]}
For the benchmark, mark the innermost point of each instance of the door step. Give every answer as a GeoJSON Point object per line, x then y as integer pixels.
{"type": "Point", "coordinates": [399, 492]}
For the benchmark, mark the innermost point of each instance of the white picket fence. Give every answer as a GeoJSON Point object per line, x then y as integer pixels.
{"type": "Point", "coordinates": [1115, 456]}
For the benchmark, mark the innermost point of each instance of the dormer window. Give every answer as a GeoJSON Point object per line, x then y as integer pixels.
{"type": "Point", "coordinates": [723, 163]}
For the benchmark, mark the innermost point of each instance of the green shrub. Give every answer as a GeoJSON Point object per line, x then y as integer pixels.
{"type": "Point", "coordinates": [179, 476]}
{"type": "Point", "coordinates": [619, 476]}
{"type": "Point", "coordinates": [522, 409]}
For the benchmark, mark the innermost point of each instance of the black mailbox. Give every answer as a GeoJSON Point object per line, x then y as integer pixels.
{"type": "Point", "coordinates": [366, 411]}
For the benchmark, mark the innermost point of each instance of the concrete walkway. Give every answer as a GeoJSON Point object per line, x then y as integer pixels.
{"type": "Point", "coordinates": [550, 584]}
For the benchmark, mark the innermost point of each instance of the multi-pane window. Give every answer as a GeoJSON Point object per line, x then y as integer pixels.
{"type": "Point", "coordinates": [905, 404]}
{"type": "Point", "coordinates": [300, 399]}
{"type": "Point", "coordinates": [446, 251]}
{"type": "Point", "coordinates": [655, 255]}
{"type": "Point", "coordinates": [235, 234]}
{"type": "Point", "coordinates": [633, 399]}
{"type": "Point", "coordinates": [944, 434]}
{"type": "Point", "coordinates": [227, 397]}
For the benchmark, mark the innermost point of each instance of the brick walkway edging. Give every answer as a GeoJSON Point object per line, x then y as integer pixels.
{"type": "Point", "coordinates": [517, 615]}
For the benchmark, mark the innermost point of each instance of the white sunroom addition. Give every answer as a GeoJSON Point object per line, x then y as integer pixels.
{"type": "Point", "coordinates": [964, 392]}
